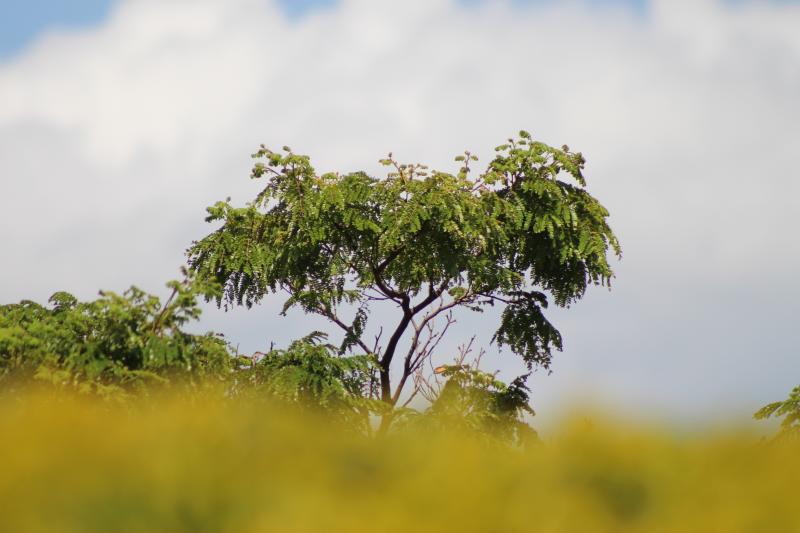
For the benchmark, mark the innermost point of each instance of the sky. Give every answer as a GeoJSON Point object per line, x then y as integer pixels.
{"type": "Point", "coordinates": [121, 121]}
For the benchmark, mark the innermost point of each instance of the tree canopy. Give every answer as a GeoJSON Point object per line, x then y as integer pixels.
{"type": "Point", "coordinates": [521, 234]}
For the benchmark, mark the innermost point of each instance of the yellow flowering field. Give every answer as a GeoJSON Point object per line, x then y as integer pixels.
{"type": "Point", "coordinates": [211, 464]}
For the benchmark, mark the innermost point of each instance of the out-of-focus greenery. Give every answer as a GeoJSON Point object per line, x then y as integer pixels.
{"type": "Point", "coordinates": [479, 404]}
{"type": "Point", "coordinates": [789, 409]}
{"type": "Point", "coordinates": [221, 464]}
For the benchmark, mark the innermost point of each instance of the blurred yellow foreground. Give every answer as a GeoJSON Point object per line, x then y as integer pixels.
{"type": "Point", "coordinates": [203, 465]}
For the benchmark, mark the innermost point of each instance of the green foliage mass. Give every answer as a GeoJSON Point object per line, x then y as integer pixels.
{"type": "Point", "coordinates": [478, 404]}
{"type": "Point", "coordinates": [519, 235]}
{"type": "Point", "coordinates": [789, 409]}
{"type": "Point", "coordinates": [309, 374]}
{"type": "Point", "coordinates": [112, 346]}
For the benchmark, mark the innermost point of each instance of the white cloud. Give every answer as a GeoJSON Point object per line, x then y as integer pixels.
{"type": "Point", "coordinates": [114, 139]}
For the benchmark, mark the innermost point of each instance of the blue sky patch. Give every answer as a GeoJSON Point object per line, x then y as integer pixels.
{"type": "Point", "coordinates": [21, 21]}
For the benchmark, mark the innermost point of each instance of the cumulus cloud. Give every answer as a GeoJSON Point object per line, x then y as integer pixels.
{"type": "Point", "coordinates": [113, 139]}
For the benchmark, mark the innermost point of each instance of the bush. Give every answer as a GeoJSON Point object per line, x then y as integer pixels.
{"type": "Point", "coordinates": [111, 346]}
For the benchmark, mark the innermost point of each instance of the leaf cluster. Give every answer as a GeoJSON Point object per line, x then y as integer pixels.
{"type": "Point", "coordinates": [310, 374]}
{"type": "Point", "coordinates": [112, 346]}
{"type": "Point", "coordinates": [789, 409]}
{"type": "Point", "coordinates": [478, 403]}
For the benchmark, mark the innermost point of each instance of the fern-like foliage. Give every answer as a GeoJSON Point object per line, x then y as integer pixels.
{"type": "Point", "coordinates": [789, 409]}
{"type": "Point", "coordinates": [310, 374]}
{"type": "Point", "coordinates": [113, 345]}
{"type": "Point", "coordinates": [479, 404]}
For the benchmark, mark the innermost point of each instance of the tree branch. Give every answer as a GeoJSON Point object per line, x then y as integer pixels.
{"type": "Point", "coordinates": [388, 259]}
{"type": "Point", "coordinates": [386, 359]}
{"type": "Point", "coordinates": [416, 355]}
{"type": "Point", "coordinates": [433, 294]}
{"type": "Point", "coordinates": [330, 315]}
{"type": "Point", "coordinates": [385, 289]}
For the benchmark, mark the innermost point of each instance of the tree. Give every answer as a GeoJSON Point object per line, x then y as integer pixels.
{"type": "Point", "coordinates": [519, 235]}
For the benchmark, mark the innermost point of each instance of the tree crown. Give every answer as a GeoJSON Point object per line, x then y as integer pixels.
{"type": "Point", "coordinates": [520, 234]}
